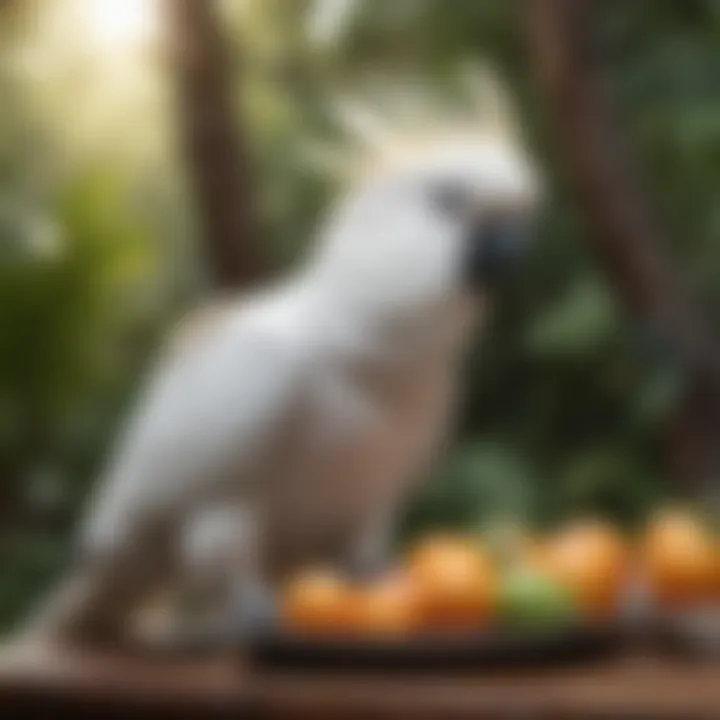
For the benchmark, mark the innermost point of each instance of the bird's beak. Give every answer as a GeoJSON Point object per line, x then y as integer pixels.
{"type": "Point", "coordinates": [495, 248]}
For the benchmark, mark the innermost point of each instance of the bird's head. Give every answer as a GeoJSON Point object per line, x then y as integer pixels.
{"type": "Point", "coordinates": [438, 217]}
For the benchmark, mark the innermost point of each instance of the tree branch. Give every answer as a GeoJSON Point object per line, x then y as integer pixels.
{"type": "Point", "coordinates": [628, 238]}
{"type": "Point", "coordinates": [216, 156]}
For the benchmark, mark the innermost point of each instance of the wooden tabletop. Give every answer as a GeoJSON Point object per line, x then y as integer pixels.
{"type": "Point", "coordinates": [94, 685]}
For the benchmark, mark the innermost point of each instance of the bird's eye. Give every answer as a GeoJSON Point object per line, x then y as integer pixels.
{"type": "Point", "coordinates": [450, 199]}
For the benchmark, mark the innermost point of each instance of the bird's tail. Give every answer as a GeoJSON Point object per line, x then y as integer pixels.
{"type": "Point", "coordinates": [71, 613]}
{"type": "Point", "coordinates": [77, 614]}
{"type": "Point", "coordinates": [90, 606]}
{"type": "Point", "coordinates": [68, 616]}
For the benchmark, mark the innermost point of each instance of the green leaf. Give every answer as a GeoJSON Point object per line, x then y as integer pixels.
{"type": "Point", "coordinates": [477, 486]}
{"type": "Point", "coordinates": [580, 323]}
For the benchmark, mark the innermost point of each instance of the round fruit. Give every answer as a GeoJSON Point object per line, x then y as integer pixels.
{"type": "Point", "coordinates": [454, 582]}
{"type": "Point", "coordinates": [533, 553]}
{"type": "Point", "coordinates": [680, 558]}
{"type": "Point", "coordinates": [388, 608]}
{"type": "Point", "coordinates": [318, 602]}
{"type": "Point", "coordinates": [589, 559]}
{"type": "Point", "coordinates": [510, 544]}
{"type": "Point", "coordinates": [533, 601]}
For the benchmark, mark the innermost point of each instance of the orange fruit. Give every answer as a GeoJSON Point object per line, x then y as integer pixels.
{"type": "Point", "coordinates": [387, 608]}
{"type": "Point", "coordinates": [680, 557]}
{"type": "Point", "coordinates": [318, 602]}
{"type": "Point", "coordinates": [454, 582]}
{"type": "Point", "coordinates": [533, 553]}
{"type": "Point", "coordinates": [590, 560]}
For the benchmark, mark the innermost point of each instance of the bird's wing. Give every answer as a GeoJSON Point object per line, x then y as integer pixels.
{"type": "Point", "coordinates": [206, 420]}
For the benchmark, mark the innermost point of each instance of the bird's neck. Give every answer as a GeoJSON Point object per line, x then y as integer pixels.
{"type": "Point", "coordinates": [373, 333]}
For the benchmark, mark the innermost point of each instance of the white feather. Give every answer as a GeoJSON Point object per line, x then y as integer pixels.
{"type": "Point", "coordinates": [317, 404]}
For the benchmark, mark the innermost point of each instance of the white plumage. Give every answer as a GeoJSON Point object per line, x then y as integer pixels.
{"type": "Point", "coordinates": [309, 410]}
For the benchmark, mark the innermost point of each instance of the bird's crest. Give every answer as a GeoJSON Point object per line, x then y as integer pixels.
{"type": "Point", "coordinates": [391, 121]}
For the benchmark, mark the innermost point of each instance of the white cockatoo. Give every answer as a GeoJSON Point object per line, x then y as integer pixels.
{"type": "Point", "coordinates": [291, 425]}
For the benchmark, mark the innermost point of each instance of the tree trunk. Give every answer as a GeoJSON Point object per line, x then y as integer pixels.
{"type": "Point", "coordinates": [627, 238]}
{"type": "Point", "coordinates": [217, 158]}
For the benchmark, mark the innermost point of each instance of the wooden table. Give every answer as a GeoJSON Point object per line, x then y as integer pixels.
{"type": "Point", "coordinates": [102, 686]}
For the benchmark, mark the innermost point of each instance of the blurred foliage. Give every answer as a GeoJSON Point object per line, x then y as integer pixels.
{"type": "Point", "coordinates": [566, 403]}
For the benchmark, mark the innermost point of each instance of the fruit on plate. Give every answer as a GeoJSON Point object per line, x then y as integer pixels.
{"type": "Point", "coordinates": [319, 602]}
{"type": "Point", "coordinates": [680, 558]}
{"type": "Point", "coordinates": [531, 600]}
{"type": "Point", "coordinates": [590, 560]}
{"type": "Point", "coordinates": [386, 608]}
{"type": "Point", "coordinates": [454, 582]}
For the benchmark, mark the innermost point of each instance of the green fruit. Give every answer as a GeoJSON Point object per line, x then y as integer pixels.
{"type": "Point", "coordinates": [532, 601]}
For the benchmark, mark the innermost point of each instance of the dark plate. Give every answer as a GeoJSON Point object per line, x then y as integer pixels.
{"type": "Point", "coordinates": [487, 650]}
